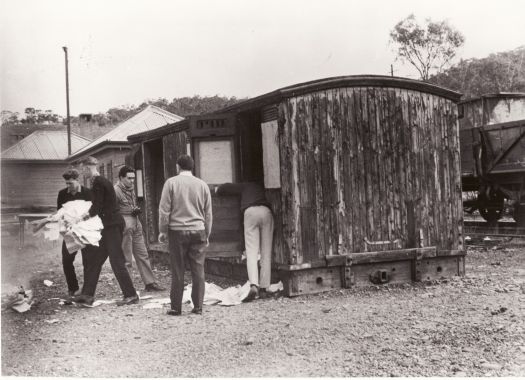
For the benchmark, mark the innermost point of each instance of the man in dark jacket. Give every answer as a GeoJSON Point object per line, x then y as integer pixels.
{"type": "Point", "coordinates": [73, 191]}
{"type": "Point", "coordinates": [105, 206]}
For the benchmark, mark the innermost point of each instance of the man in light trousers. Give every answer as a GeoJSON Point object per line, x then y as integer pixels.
{"type": "Point", "coordinates": [258, 234]}
{"type": "Point", "coordinates": [133, 243]}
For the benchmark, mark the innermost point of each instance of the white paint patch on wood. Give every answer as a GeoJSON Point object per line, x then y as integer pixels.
{"type": "Point", "coordinates": [271, 159]}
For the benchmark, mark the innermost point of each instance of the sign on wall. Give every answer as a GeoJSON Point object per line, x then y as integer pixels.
{"type": "Point", "coordinates": [215, 164]}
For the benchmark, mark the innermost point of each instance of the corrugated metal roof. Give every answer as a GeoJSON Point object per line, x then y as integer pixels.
{"type": "Point", "coordinates": [44, 145]}
{"type": "Point", "coordinates": [149, 118]}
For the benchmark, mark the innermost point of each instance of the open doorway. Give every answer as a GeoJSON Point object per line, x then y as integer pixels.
{"type": "Point", "coordinates": [153, 183]}
{"type": "Point", "coordinates": [250, 147]}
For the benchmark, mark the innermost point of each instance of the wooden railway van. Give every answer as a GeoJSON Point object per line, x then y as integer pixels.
{"type": "Point", "coordinates": [362, 172]}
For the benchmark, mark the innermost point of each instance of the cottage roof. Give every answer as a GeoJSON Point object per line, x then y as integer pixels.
{"type": "Point", "coordinates": [44, 145]}
{"type": "Point", "coordinates": [150, 118]}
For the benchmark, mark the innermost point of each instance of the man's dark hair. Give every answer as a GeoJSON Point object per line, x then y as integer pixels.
{"type": "Point", "coordinates": [185, 162]}
{"type": "Point", "coordinates": [71, 174]}
{"type": "Point", "coordinates": [125, 170]}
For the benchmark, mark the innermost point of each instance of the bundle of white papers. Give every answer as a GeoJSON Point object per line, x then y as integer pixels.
{"type": "Point", "coordinates": [68, 222]}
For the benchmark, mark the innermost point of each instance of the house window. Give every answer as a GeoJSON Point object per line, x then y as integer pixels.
{"type": "Point", "coordinates": [101, 170]}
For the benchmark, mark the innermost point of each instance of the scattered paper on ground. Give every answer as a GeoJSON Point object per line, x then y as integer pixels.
{"type": "Point", "coordinates": [21, 301]}
{"type": "Point", "coordinates": [276, 287]}
{"type": "Point", "coordinates": [214, 295]}
{"type": "Point", "coordinates": [48, 283]}
{"type": "Point", "coordinates": [156, 303]}
{"type": "Point", "coordinates": [103, 302]}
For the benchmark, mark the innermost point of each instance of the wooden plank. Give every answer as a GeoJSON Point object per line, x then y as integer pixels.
{"type": "Point", "coordinates": [441, 267]}
{"type": "Point", "coordinates": [286, 120]}
{"type": "Point", "coordinates": [405, 154]}
{"type": "Point", "coordinates": [332, 154]}
{"type": "Point", "coordinates": [357, 206]}
{"type": "Point", "coordinates": [310, 281]}
{"type": "Point", "coordinates": [432, 159]}
{"type": "Point", "coordinates": [375, 184]}
{"type": "Point", "coordinates": [393, 255]}
{"type": "Point", "coordinates": [396, 124]}
{"type": "Point", "coordinates": [393, 168]}
{"type": "Point", "coordinates": [347, 172]}
{"type": "Point", "coordinates": [417, 168]}
{"type": "Point", "coordinates": [304, 237]}
{"type": "Point", "coordinates": [325, 174]}
{"type": "Point", "coordinates": [456, 159]}
{"type": "Point", "coordinates": [279, 256]}
{"type": "Point", "coordinates": [384, 160]}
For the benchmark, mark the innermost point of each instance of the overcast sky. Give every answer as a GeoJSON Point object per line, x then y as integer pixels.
{"type": "Point", "coordinates": [124, 52]}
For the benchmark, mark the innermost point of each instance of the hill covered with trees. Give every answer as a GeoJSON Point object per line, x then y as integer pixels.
{"type": "Point", "coordinates": [185, 106]}
{"type": "Point", "coordinates": [499, 72]}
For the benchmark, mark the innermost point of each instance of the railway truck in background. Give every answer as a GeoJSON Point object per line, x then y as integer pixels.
{"type": "Point", "coordinates": [492, 140]}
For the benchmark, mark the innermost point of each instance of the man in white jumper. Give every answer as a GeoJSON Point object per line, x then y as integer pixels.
{"type": "Point", "coordinates": [185, 219]}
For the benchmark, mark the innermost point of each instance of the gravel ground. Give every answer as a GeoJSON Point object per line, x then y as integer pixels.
{"type": "Point", "coordinates": [470, 326]}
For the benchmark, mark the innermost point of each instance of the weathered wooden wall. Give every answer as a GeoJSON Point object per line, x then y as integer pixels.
{"type": "Point", "coordinates": [31, 185]}
{"type": "Point", "coordinates": [368, 164]}
{"type": "Point", "coordinates": [174, 145]}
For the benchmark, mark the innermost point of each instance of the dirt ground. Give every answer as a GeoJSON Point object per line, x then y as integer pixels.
{"type": "Point", "coordinates": [470, 326]}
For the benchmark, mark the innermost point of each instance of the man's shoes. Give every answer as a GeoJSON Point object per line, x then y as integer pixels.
{"type": "Point", "coordinates": [263, 294]}
{"type": "Point", "coordinates": [73, 292]}
{"type": "Point", "coordinates": [197, 311]}
{"type": "Point", "coordinates": [154, 287]}
{"type": "Point", "coordinates": [128, 300]}
{"type": "Point", "coordinates": [173, 312]}
{"type": "Point", "coordinates": [252, 294]}
{"type": "Point", "coordinates": [84, 299]}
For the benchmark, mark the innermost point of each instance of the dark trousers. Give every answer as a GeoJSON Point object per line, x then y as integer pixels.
{"type": "Point", "coordinates": [109, 246]}
{"type": "Point", "coordinates": [187, 246]}
{"type": "Point", "coordinates": [69, 268]}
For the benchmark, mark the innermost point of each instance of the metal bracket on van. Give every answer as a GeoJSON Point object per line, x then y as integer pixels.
{"type": "Point", "coordinates": [380, 276]}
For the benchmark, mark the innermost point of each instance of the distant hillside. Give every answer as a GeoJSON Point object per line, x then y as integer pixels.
{"type": "Point", "coordinates": [185, 106]}
{"type": "Point", "coordinates": [500, 72]}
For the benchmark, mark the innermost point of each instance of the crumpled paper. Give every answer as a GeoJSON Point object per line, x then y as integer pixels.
{"type": "Point", "coordinates": [215, 295]}
{"type": "Point", "coordinates": [21, 301]}
{"type": "Point", "coordinates": [68, 222]}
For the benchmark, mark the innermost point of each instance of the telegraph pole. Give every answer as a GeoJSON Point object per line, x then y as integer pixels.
{"type": "Point", "coordinates": [67, 102]}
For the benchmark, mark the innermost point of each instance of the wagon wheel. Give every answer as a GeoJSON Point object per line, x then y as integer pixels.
{"type": "Point", "coordinates": [491, 204]}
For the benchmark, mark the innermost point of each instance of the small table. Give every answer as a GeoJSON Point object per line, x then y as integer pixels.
{"type": "Point", "coordinates": [22, 219]}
